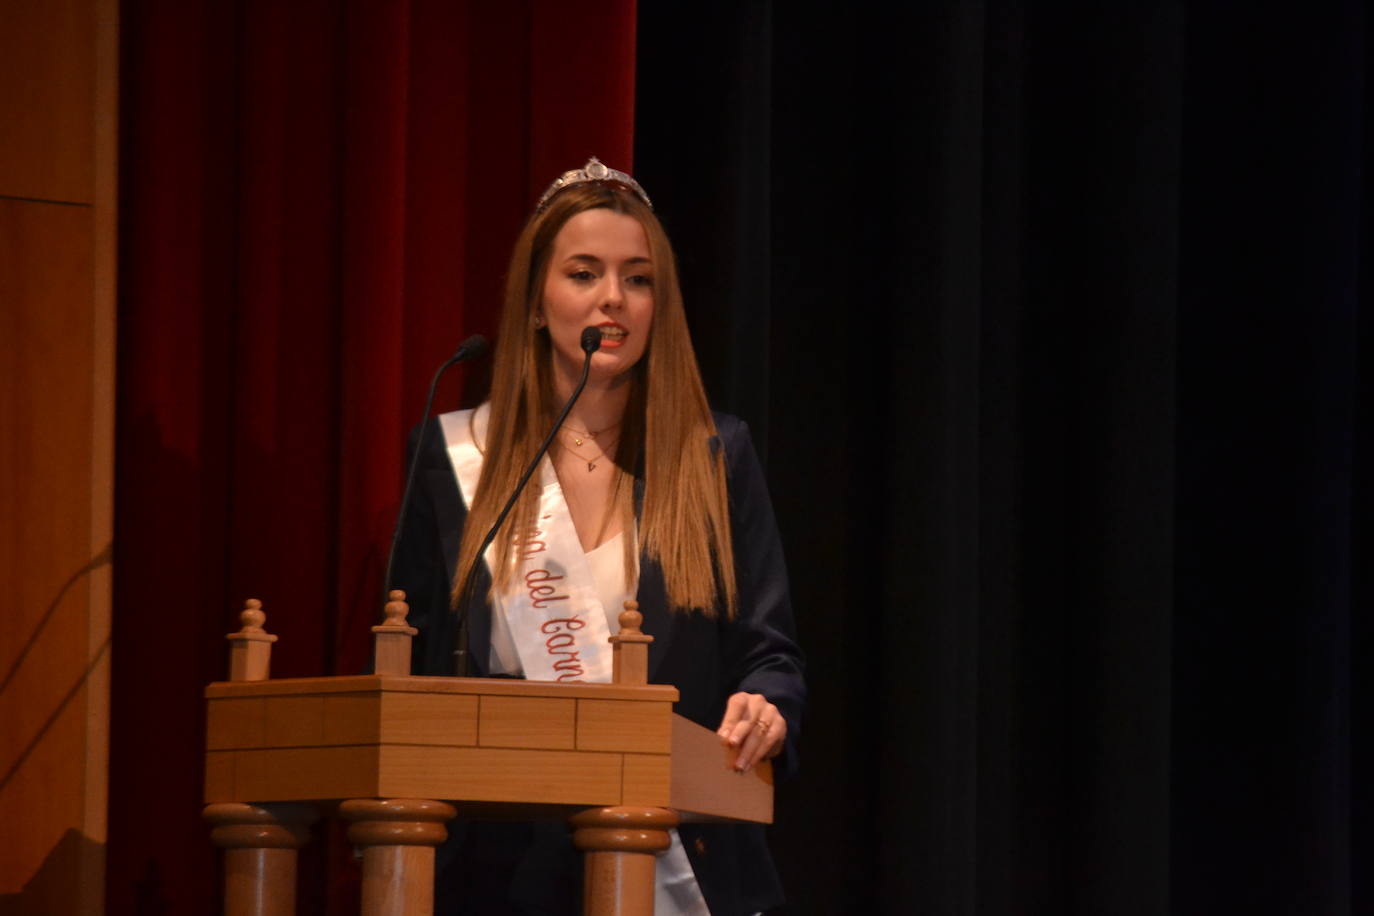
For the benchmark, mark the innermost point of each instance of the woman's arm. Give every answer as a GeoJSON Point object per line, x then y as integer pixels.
{"type": "Point", "coordinates": [764, 661]}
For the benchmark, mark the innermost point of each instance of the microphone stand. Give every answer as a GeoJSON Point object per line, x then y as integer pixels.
{"type": "Point", "coordinates": [591, 342]}
{"type": "Point", "coordinates": [474, 347]}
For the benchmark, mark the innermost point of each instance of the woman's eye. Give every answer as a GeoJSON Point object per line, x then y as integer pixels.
{"type": "Point", "coordinates": [581, 275]}
{"type": "Point", "coordinates": [640, 280]}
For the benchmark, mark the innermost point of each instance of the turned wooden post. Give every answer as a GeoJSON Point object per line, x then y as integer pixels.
{"type": "Point", "coordinates": [250, 649]}
{"type": "Point", "coordinates": [630, 648]}
{"type": "Point", "coordinates": [259, 843]}
{"type": "Point", "coordinates": [391, 654]}
{"type": "Point", "coordinates": [397, 837]}
{"type": "Point", "coordinates": [620, 845]}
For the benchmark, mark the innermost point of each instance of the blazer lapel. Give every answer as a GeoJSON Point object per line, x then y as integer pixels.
{"type": "Point", "coordinates": [449, 516]}
{"type": "Point", "coordinates": [447, 513]}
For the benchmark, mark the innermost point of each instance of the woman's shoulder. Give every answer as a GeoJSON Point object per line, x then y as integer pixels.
{"type": "Point", "coordinates": [730, 428]}
{"type": "Point", "coordinates": [734, 439]}
{"type": "Point", "coordinates": [456, 425]}
{"type": "Point", "coordinates": [439, 434]}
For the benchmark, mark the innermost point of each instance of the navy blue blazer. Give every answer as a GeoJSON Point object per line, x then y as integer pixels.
{"type": "Point", "coordinates": [706, 659]}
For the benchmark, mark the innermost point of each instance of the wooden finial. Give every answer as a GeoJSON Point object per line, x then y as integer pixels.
{"type": "Point", "coordinates": [392, 650]}
{"type": "Point", "coordinates": [630, 619]}
{"type": "Point", "coordinates": [630, 648]}
{"type": "Point", "coordinates": [251, 618]}
{"type": "Point", "coordinates": [250, 649]}
{"type": "Point", "coordinates": [396, 608]}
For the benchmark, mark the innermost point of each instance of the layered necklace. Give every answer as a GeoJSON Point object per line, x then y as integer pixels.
{"type": "Point", "coordinates": [580, 437]}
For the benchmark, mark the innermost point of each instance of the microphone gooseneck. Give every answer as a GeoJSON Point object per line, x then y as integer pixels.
{"type": "Point", "coordinates": [591, 342]}
{"type": "Point", "coordinates": [475, 347]}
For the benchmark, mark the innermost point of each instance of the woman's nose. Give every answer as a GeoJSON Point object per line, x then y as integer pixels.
{"type": "Point", "coordinates": [614, 295]}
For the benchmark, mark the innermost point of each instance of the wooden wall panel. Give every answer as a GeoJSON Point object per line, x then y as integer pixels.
{"type": "Point", "coordinates": [48, 71]}
{"type": "Point", "coordinates": [54, 566]}
{"type": "Point", "coordinates": [58, 123]}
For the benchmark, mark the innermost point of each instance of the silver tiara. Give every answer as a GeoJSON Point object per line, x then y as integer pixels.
{"type": "Point", "coordinates": [594, 170]}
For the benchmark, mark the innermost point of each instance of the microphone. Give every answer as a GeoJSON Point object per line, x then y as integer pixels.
{"type": "Point", "coordinates": [591, 342]}
{"type": "Point", "coordinates": [475, 347]}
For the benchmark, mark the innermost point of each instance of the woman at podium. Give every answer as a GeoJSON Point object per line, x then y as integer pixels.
{"type": "Point", "coordinates": [645, 495]}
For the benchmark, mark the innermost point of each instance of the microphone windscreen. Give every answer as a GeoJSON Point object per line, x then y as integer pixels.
{"type": "Point", "coordinates": [591, 340]}
{"type": "Point", "coordinates": [475, 347]}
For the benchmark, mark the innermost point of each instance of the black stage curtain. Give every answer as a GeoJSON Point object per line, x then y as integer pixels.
{"type": "Point", "coordinates": [1048, 318]}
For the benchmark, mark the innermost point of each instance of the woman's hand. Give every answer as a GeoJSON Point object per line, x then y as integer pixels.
{"type": "Point", "coordinates": [755, 727]}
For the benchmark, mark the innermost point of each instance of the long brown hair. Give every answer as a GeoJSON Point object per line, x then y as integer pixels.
{"type": "Point", "coordinates": [667, 429]}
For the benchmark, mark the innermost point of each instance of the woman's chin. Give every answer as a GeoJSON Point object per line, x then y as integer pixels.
{"type": "Point", "coordinates": [611, 363]}
{"type": "Point", "coordinates": [608, 376]}
{"type": "Point", "coordinates": [607, 370]}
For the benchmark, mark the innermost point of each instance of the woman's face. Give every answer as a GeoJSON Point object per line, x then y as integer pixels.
{"type": "Point", "coordinates": [600, 274]}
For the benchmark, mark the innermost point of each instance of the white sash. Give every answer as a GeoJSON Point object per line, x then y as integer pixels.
{"type": "Point", "coordinates": [556, 619]}
{"type": "Point", "coordinates": [552, 609]}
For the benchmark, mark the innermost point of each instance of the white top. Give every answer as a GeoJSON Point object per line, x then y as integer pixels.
{"type": "Point", "coordinates": [607, 563]}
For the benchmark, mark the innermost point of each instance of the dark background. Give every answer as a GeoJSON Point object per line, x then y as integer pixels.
{"type": "Point", "coordinates": [1046, 320]}
{"type": "Point", "coordinates": [1048, 315]}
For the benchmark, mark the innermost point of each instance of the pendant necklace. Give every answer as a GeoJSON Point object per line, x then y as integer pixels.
{"type": "Point", "coordinates": [593, 462]}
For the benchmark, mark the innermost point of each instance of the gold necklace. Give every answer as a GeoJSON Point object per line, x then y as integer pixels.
{"type": "Point", "coordinates": [592, 463]}
{"type": "Point", "coordinates": [582, 435]}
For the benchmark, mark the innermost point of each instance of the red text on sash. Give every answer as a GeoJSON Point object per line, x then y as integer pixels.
{"type": "Point", "coordinates": [543, 591]}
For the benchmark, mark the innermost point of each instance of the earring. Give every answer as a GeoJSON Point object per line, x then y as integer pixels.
{"type": "Point", "coordinates": [538, 322]}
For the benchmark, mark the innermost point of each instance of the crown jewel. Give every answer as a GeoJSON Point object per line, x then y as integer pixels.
{"type": "Point", "coordinates": [594, 170]}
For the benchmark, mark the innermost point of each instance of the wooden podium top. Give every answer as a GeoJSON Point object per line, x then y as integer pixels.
{"type": "Point", "coordinates": [502, 748]}
{"type": "Point", "coordinates": [415, 684]}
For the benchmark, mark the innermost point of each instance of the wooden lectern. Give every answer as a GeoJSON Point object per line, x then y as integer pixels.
{"type": "Point", "coordinates": [397, 756]}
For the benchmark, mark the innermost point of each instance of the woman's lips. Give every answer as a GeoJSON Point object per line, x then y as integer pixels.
{"type": "Point", "coordinates": [612, 336]}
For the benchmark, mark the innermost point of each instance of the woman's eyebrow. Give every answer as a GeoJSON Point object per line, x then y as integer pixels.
{"type": "Point", "coordinates": [595, 259]}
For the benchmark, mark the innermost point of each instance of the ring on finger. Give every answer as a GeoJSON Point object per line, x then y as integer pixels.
{"type": "Point", "coordinates": [763, 727]}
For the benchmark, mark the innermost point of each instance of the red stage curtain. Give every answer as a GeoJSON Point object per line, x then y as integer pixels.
{"type": "Point", "coordinates": [317, 203]}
